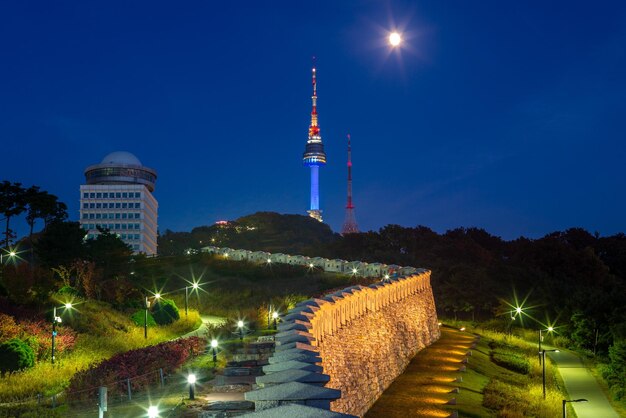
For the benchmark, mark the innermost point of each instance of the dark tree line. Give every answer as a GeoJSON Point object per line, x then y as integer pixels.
{"type": "Point", "coordinates": [35, 203]}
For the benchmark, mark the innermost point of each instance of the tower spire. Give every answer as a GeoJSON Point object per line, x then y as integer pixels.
{"type": "Point", "coordinates": [314, 155]}
{"type": "Point", "coordinates": [349, 225]}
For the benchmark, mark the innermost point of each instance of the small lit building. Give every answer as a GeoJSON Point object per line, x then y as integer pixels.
{"type": "Point", "coordinates": [210, 250]}
{"type": "Point", "coordinates": [354, 267]}
{"type": "Point", "coordinates": [118, 197]}
{"type": "Point", "coordinates": [375, 270]}
{"type": "Point", "coordinates": [279, 258]}
{"type": "Point", "coordinates": [259, 256]}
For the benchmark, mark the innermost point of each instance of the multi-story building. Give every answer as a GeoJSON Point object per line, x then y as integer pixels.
{"type": "Point", "coordinates": [118, 197]}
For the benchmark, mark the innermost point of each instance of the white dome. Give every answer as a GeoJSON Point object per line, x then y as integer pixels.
{"type": "Point", "coordinates": [121, 157]}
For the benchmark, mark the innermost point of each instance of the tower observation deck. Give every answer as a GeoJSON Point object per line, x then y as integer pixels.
{"type": "Point", "coordinates": [314, 155]}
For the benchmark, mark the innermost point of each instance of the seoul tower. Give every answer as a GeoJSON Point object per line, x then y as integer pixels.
{"type": "Point", "coordinates": [314, 155]}
{"type": "Point", "coordinates": [349, 225]}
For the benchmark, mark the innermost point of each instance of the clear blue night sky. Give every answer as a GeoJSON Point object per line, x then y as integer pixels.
{"type": "Point", "coordinates": [504, 115]}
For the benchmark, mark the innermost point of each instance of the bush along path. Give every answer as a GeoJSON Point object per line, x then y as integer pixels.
{"type": "Point", "coordinates": [580, 384]}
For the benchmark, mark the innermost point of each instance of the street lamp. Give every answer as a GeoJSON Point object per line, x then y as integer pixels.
{"type": "Point", "coordinates": [214, 348]}
{"type": "Point", "coordinates": [275, 317]}
{"type": "Point", "coordinates": [194, 286]}
{"type": "Point", "coordinates": [543, 369]}
{"type": "Point", "coordinates": [191, 379]}
{"type": "Point", "coordinates": [549, 329]}
{"type": "Point", "coordinates": [56, 319]}
{"type": "Point", "coordinates": [153, 411]}
{"type": "Point", "coordinates": [145, 316]}
{"type": "Point", "coordinates": [240, 326]}
{"type": "Point", "coordinates": [573, 400]}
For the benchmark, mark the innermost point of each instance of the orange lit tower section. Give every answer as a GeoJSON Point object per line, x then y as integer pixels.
{"type": "Point", "coordinates": [314, 155]}
{"type": "Point", "coordinates": [349, 225]}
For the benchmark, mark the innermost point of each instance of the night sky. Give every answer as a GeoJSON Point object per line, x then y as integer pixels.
{"type": "Point", "coordinates": [509, 116]}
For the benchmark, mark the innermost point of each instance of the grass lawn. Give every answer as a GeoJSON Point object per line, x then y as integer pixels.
{"type": "Point", "coordinates": [486, 389]}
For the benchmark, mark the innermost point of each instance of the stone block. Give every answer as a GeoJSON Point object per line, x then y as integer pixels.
{"type": "Point", "coordinates": [294, 336]}
{"type": "Point", "coordinates": [237, 371]}
{"type": "Point", "coordinates": [295, 344]}
{"type": "Point", "coordinates": [299, 325]}
{"type": "Point", "coordinates": [294, 410]}
{"type": "Point", "coordinates": [293, 391]}
{"type": "Point", "coordinates": [293, 375]}
{"type": "Point", "coordinates": [291, 364]}
{"type": "Point", "coordinates": [298, 355]}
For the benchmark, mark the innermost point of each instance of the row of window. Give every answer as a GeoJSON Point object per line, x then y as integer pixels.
{"type": "Point", "coordinates": [111, 227]}
{"type": "Point", "coordinates": [132, 237]}
{"type": "Point", "coordinates": [111, 195]}
{"type": "Point", "coordinates": [109, 205]}
{"type": "Point", "coordinates": [111, 215]}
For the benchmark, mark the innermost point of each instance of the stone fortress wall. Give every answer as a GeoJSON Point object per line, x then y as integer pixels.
{"type": "Point", "coordinates": [336, 355]}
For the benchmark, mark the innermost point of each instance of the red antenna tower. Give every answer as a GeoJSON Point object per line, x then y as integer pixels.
{"type": "Point", "coordinates": [349, 225]}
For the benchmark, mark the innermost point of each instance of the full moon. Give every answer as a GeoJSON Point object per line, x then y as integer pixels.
{"type": "Point", "coordinates": [395, 39]}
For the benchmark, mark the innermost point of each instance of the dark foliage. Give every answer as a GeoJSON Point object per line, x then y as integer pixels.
{"type": "Point", "coordinates": [165, 311]}
{"type": "Point", "coordinates": [15, 355]}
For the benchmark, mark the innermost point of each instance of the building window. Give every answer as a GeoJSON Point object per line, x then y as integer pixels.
{"type": "Point", "coordinates": [136, 226]}
{"type": "Point", "coordinates": [86, 227]}
{"type": "Point", "coordinates": [85, 205]}
{"type": "Point", "coordinates": [123, 215]}
{"type": "Point", "coordinates": [92, 205]}
{"type": "Point", "coordinates": [85, 216]}
{"type": "Point", "coordinates": [92, 216]}
{"type": "Point", "coordinates": [124, 195]}
{"type": "Point", "coordinates": [138, 195]}
{"type": "Point", "coordinates": [137, 236]}
{"type": "Point", "coordinates": [137, 205]}
{"type": "Point", "coordinates": [92, 195]}
{"type": "Point", "coordinates": [105, 195]}
{"type": "Point", "coordinates": [98, 195]}
{"type": "Point", "coordinates": [124, 205]}
{"type": "Point", "coordinates": [117, 226]}
{"type": "Point", "coordinates": [85, 195]}
{"type": "Point", "coordinates": [123, 226]}
{"type": "Point", "coordinates": [137, 215]}
{"type": "Point", "coordinates": [117, 205]}
{"type": "Point", "coordinates": [118, 195]}
{"type": "Point", "coordinates": [98, 205]}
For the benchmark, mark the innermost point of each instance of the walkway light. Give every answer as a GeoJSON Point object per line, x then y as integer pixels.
{"type": "Point", "coordinates": [311, 265]}
{"type": "Point", "coordinates": [56, 319]}
{"type": "Point", "coordinates": [543, 370]}
{"type": "Point", "coordinates": [240, 326]}
{"type": "Point", "coordinates": [275, 317]}
{"type": "Point", "coordinates": [549, 329]}
{"type": "Point", "coordinates": [153, 411]}
{"type": "Point", "coordinates": [191, 379]}
{"type": "Point", "coordinates": [214, 347]}
{"type": "Point", "coordinates": [573, 400]}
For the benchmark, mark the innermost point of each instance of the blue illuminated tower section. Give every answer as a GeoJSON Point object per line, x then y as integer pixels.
{"type": "Point", "coordinates": [314, 156]}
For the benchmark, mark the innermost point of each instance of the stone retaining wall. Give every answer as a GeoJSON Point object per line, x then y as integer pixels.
{"type": "Point", "coordinates": [362, 337]}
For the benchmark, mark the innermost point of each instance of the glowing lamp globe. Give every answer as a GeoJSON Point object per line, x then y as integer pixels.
{"type": "Point", "coordinates": [240, 324]}
{"type": "Point", "coordinates": [395, 39]}
{"type": "Point", "coordinates": [275, 315]}
{"type": "Point", "coordinates": [214, 343]}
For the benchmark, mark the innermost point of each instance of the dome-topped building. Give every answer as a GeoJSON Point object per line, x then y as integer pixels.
{"type": "Point", "coordinates": [118, 197]}
{"type": "Point", "coordinates": [121, 167]}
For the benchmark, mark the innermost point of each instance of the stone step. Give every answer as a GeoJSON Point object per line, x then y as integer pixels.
{"type": "Point", "coordinates": [292, 375]}
{"type": "Point", "coordinates": [291, 364]}
{"type": "Point", "coordinates": [296, 411]}
{"type": "Point", "coordinates": [310, 395]}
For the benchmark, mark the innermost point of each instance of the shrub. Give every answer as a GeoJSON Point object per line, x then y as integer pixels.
{"type": "Point", "coordinates": [15, 354]}
{"type": "Point", "coordinates": [8, 327]}
{"type": "Point", "coordinates": [139, 318]}
{"type": "Point", "coordinates": [164, 312]}
{"type": "Point", "coordinates": [511, 361]}
{"type": "Point", "coordinates": [140, 365]}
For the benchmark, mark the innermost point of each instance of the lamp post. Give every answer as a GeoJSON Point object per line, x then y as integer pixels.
{"type": "Point", "coordinates": [214, 348]}
{"type": "Point", "coordinates": [543, 369]}
{"type": "Point", "coordinates": [565, 401]}
{"type": "Point", "coordinates": [194, 286]}
{"type": "Point", "coordinates": [56, 319]}
{"type": "Point", "coordinates": [240, 326]}
{"type": "Point", "coordinates": [549, 329]}
{"type": "Point", "coordinates": [191, 379]}
{"type": "Point", "coordinates": [275, 317]}
{"type": "Point", "coordinates": [145, 316]}
{"type": "Point", "coordinates": [153, 411]}
{"type": "Point", "coordinates": [10, 255]}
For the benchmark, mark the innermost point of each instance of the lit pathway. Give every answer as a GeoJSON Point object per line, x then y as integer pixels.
{"type": "Point", "coordinates": [580, 383]}
{"type": "Point", "coordinates": [206, 319]}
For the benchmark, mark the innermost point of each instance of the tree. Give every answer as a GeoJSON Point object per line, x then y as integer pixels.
{"type": "Point", "coordinates": [60, 244]}
{"type": "Point", "coordinates": [12, 203]}
{"type": "Point", "coordinates": [110, 254]}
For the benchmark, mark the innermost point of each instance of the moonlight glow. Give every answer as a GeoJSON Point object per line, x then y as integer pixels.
{"type": "Point", "coordinates": [395, 39]}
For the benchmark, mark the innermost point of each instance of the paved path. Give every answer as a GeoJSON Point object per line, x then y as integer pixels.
{"type": "Point", "coordinates": [581, 384]}
{"type": "Point", "coordinates": [206, 320]}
